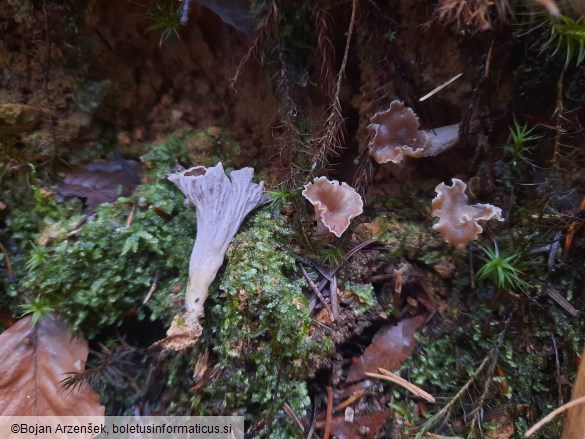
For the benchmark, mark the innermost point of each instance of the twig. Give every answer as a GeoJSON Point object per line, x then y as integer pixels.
{"type": "Point", "coordinates": [267, 27]}
{"type": "Point", "coordinates": [553, 414]}
{"type": "Point", "coordinates": [333, 136]}
{"type": "Point", "coordinates": [575, 225]}
{"type": "Point", "coordinates": [380, 277]}
{"type": "Point", "coordinates": [8, 263]}
{"type": "Point", "coordinates": [316, 291]}
{"type": "Point", "coordinates": [329, 411]}
{"type": "Point", "coordinates": [364, 172]}
{"type": "Point", "coordinates": [558, 369]}
{"type": "Point", "coordinates": [341, 72]}
{"type": "Point", "coordinates": [322, 325]}
{"type": "Point", "coordinates": [440, 87]}
{"type": "Point", "coordinates": [477, 412]}
{"type": "Point", "coordinates": [357, 395]}
{"type": "Point", "coordinates": [131, 216]}
{"type": "Point", "coordinates": [312, 429]}
{"type": "Point", "coordinates": [315, 265]}
{"type": "Point", "coordinates": [561, 301]}
{"type": "Point", "coordinates": [386, 375]}
{"type": "Point", "coordinates": [346, 258]}
{"type": "Point", "coordinates": [554, 246]}
{"type": "Point", "coordinates": [152, 287]}
{"type": "Point", "coordinates": [334, 298]}
{"type": "Point", "coordinates": [490, 359]}
{"type": "Point", "coordinates": [292, 415]}
{"type": "Point", "coordinates": [325, 48]}
{"type": "Point", "coordinates": [443, 413]}
{"type": "Point", "coordinates": [559, 119]}
{"type": "Point", "coordinates": [46, 73]}
{"type": "Point", "coordinates": [471, 270]}
{"type": "Point", "coordinates": [488, 61]}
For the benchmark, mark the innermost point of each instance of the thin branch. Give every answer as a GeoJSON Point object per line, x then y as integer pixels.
{"type": "Point", "coordinates": [316, 291]}
{"type": "Point", "coordinates": [489, 361]}
{"type": "Point", "coordinates": [293, 416]}
{"type": "Point", "coordinates": [8, 263]}
{"type": "Point", "coordinates": [334, 298]}
{"type": "Point", "coordinates": [329, 413]}
{"type": "Point", "coordinates": [553, 414]}
{"type": "Point", "coordinates": [152, 287]}
{"type": "Point", "coordinates": [46, 70]}
{"type": "Point", "coordinates": [333, 136]}
{"type": "Point", "coordinates": [386, 375]}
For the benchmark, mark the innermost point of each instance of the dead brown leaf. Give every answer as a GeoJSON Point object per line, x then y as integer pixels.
{"type": "Point", "coordinates": [391, 345]}
{"type": "Point", "coordinates": [33, 362]}
{"type": "Point", "coordinates": [100, 182]}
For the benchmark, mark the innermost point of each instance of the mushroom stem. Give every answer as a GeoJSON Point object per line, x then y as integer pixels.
{"type": "Point", "coordinates": [441, 139]}
{"type": "Point", "coordinates": [200, 278]}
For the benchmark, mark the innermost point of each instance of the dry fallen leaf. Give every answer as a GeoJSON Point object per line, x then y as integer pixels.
{"type": "Point", "coordinates": [33, 362]}
{"type": "Point", "coordinates": [100, 182]}
{"type": "Point", "coordinates": [390, 347]}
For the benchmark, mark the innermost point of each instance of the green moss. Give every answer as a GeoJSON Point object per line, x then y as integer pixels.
{"type": "Point", "coordinates": [191, 148]}
{"type": "Point", "coordinates": [91, 94]}
{"type": "Point", "coordinates": [260, 328]}
{"type": "Point", "coordinates": [364, 294]}
{"type": "Point", "coordinates": [96, 269]}
{"type": "Point", "coordinates": [96, 275]}
{"type": "Point", "coordinates": [448, 355]}
{"type": "Point", "coordinates": [413, 240]}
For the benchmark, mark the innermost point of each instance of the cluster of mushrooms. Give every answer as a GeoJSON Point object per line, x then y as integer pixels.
{"type": "Point", "coordinates": [222, 203]}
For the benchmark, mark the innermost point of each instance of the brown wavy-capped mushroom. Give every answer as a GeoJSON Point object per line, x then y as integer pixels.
{"type": "Point", "coordinates": [458, 220]}
{"type": "Point", "coordinates": [396, 134]}
{"type": "Point", "coordinates": [221, 204]}
{"type": "Point", "coordinates": [336, 204]}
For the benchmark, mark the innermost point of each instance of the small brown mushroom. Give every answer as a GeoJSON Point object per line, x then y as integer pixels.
{"type": "Point", "coordinates": [458, 220]}
{"type": "Point", "coordinates": [396, 134]}
{"type": "Point", "coordinates": [335, 204]}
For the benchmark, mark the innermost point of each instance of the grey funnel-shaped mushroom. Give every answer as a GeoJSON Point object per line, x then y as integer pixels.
{"type": "Point", "coordinates": [221, 204]}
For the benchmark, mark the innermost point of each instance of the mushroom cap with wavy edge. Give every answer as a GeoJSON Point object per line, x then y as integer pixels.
{"type": "Point", "coordinates": [458, 220]}
{"type": "Point", "coordinates": [335, 203]}
{"type": "Point", "coordinates": [396, 134]}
